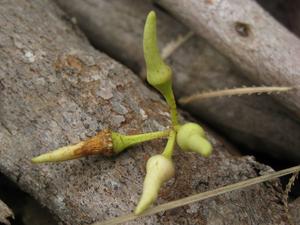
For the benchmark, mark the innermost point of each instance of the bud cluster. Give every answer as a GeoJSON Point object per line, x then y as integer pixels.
{"type": "Point", "coordinates": [190, 137]}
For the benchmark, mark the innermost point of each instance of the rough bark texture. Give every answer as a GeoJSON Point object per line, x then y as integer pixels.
{"type": "Point", "coordinates": [26, 210]}
{"type": "Point", "coordinates": [250, 37]}
{"type": "Point", "coordinates": [294, 209]}
{"type": "Point", "coordinates": [56, 89]}
{"type": "Point", "coordinates": [256, 122]}
{"type": "Point", "coordinates": [5, 213]}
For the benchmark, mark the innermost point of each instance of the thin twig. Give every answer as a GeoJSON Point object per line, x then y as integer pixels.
{"type": "Point", "coordinates": [173, 45]}
{"type": "Point", "coordinates": [286, 195]}
{"type": "Point", "coordinates": [234, 91]}
{"type": "Point", "coordinates": [201, 196]}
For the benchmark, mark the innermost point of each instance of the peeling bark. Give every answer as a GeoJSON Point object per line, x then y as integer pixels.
{"type": "Point", "coordinates": [5, 213]}
{"type": "Point", "coordinates": [259, 123]}
{"type": "Point", "coordinates": [56, 89]}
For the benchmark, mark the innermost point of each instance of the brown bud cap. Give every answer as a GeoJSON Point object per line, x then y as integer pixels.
{"type": "Point", "coordinates": [101, 144]}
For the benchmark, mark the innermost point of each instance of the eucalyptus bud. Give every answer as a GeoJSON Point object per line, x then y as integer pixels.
{"type": "Point", "coordinates": [159, 170]}
{"type": "Point", "coordinates": [158, 73]}
{"type": "Point", "coordinates": [106, 143]}
{"type": "Point", "coordinates": [100, 144]}
{"type": "Point", "coordinates": [191, 137]}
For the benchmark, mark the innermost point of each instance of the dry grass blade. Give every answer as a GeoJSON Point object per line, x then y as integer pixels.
{"type": "Point", "coordinates": [201, 196]}
{"type": "Point", "coordinates": [234, 91]}
{"type": "Point", "coordinates": [286, 195]}
{"type": "Point", "coordinates": [175, 44]}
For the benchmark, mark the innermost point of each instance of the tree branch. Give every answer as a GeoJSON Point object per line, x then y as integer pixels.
{"type": "Point", "coordinates": [250, 37]}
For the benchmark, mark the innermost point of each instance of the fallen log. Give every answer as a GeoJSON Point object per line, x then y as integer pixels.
{"type": "Point", "coordinates": [250, 37]}
{"type": "Point", "coordinates": [259, 123]}
{"type": "Point", "coordinates": [56, 90]}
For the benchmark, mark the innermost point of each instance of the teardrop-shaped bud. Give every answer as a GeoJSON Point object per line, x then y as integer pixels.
{"type": "Point", "coordinates": [159, 170]}
{"type": "Point", "coordinates": [191, 137]}
{"type": "Point", "coordinates": [158, 73]}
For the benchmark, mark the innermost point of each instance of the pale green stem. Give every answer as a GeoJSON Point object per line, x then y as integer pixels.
{"type": "Point", "coordinates": [120, 142]}
{"type": "Point", "coordinates": [167, 92]}
{"type": "Point", "coordinates": [168, 152]}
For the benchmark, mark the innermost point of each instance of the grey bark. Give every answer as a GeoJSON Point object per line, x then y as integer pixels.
{"type": "Point", "coordinates": [294, 209]}
{"type": "Point", "coordinates": [5, 213]}
{"type": "Point", "coordinates": [250, 37]}
{"type": "Point", "coordinates": [259, 123]}
{"type": "Point", "coordinates": [56, 89]}
{"type": "Point", "coordinates": [286, 12]}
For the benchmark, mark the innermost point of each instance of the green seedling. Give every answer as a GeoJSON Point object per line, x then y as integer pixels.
{"type": "Point", "coordinates": [160, 168]}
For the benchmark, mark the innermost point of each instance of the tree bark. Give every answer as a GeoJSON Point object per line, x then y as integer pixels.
{"type": "Point", "coordinates": [294, 209]}
{"type": "Point", "coordinates": [5, 213]}
{"type": "Point", "coordinates": [56, 89]}
{"type": "Point", "coordinates": [258, 123]}
{"type": "Point", "coordinates": [250, 37]}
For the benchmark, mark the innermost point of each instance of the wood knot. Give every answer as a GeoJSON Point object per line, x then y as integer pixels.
{"type": "Point", "coordinates": [243, 29]}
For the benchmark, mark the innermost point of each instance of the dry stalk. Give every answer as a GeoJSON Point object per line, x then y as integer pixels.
{"type": "Point", "coordinates": [173, 45]}
{"type": "Point", "coordinates": [235, 92]}
{"type": "Point", "coordinates": [286, 195]}
{"type": "Point", "coordinates": [201, 196]}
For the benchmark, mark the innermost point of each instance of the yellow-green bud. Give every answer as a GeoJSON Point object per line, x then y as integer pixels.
{"type": "Point", "coordinates": [191, 137]}
{"type": "Point", "coordinates": [158, 73]}
{"type": "Point", "coordinates": [159, 170]}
